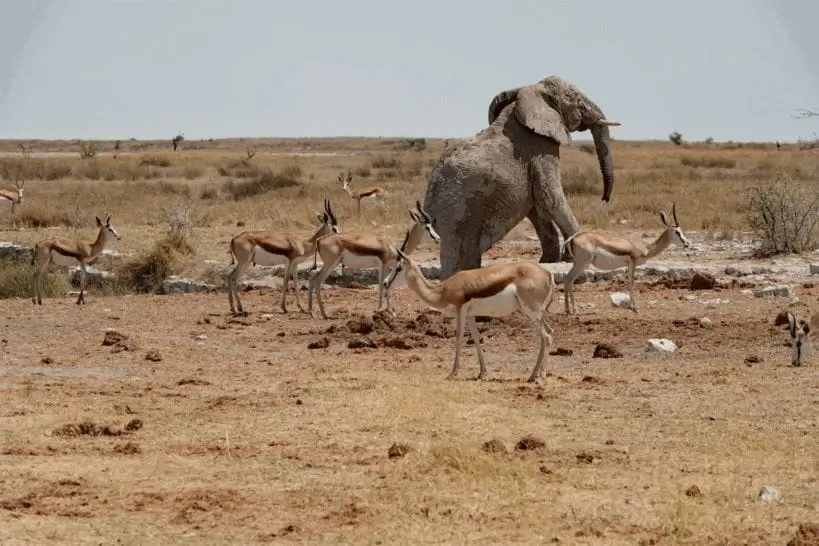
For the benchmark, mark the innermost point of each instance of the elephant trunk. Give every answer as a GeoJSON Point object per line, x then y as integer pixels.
{"type": "Point", "coordinates": [600, 134]}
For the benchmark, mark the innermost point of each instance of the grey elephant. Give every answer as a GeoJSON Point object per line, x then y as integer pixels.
{"type": "Point", "coordinates": [478, 191]}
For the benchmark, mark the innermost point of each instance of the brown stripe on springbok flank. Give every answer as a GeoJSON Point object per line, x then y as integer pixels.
{"type": "Point", "coordinates": [363, 249]}
{"type": "Point", "coordinates": [487, 290]}
{"type": "Point", "coordinates": [368, 192]}
{"type": "Point", "coordinates": [272, 247]}
{"type": "Point", "coordinates": [65, 252]}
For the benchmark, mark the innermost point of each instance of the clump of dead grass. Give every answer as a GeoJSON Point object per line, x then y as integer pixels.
{"type": "Point", "coordinates": [15, 281]}
{"type": "Point", "coordinates": [256, 180]}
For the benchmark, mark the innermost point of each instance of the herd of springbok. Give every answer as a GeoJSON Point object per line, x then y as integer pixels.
{"type": "Point", "coordinates": [490, 291]}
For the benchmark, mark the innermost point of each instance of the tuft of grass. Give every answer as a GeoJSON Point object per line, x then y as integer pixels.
{"type": "Point", "coordinates": [146, 273]}
{"type": "Point", "coordinates": [15, 281]}
{"type": "Point", "coordinates": [709, 162]}
{"type": "Point", "coordinates": [155, 161]}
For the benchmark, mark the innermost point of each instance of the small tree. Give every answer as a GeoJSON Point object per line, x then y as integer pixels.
{"type": "Point", "coordinates": [676, 138]}
{"type": "Point", "coordinates": [175, 141]}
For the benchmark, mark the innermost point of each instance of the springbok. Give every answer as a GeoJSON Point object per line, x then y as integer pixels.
{"type": "Point", "coordinates": [374, 194]}
{"type": "Point", "coordinates": [492, 291]}
{"type": "Point", "coordinates": [13, 198]}
{"type": "Point", "coordinates": [365, 250]}
{"type": "Point", "coordinates": [801, 334]}
{"type": "Point", "coordinates": [267, 248]}
{"type": "Point", "coordinates": [69, 252]}
{"type": "Point", "coordinates": [608, 251]}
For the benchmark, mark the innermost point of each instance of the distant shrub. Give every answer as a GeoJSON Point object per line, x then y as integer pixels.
{"type": "Point", "coordinates": [676, 138]}
{"type": "Point", "coordinates": [88, 149]}
{"type": "Point", "coordinates": [784, 216]}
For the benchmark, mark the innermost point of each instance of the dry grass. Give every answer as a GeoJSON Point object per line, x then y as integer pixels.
{"type": "Point", "coordinates": [279, 191]}
{"type": "Point", "coordinates": [247, 436]}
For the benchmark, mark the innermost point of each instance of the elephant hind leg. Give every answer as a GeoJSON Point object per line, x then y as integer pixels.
{"type": "Point", "coordinates": [548, 235]}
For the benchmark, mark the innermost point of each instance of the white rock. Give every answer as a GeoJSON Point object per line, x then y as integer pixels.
{"type": "Point", "coordinates": [814, 269]}
{"type": "Point", "coordinates": [746, 292]}
{"type": "Point", "coordinates": [774, 291]}
{"type": "Point", "coordinates": [769, 493]}
{"type": "Point", "coordinates": [661, 345]}
{"type": "Point", "coordinates": [621, 300]}
{"type": "Point", "coordinates": [201, 337]}
{"type": "Point", "coordinates": [705, 322]}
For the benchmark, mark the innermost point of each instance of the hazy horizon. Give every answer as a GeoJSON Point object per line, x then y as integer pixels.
{"type": "Point", "coordinates": [107, 69]}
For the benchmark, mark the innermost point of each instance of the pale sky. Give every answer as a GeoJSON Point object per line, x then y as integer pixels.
{"type": "Point", "coordinates": [728, 69]}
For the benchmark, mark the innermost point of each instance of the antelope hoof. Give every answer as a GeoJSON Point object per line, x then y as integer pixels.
{"type": "Point", "coordinates": [452, 376]}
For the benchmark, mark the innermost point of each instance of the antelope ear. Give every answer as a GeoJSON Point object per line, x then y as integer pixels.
{"type": "Point", "coordinates": [663, 218]}
{"type": "Point", "coordinates": [108, 220]}
{"type": "Point", "coordinates": [414, 216]}
{"type": "Point", "coordinates": [532, 110]}
{"type": "Point", "coordinates": [99, 222]}
{"type": "Point", "coordinates": [500, 101]}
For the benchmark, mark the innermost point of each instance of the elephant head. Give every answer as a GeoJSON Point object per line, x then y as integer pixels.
{"type": "Point", "coordinates": [554, 108]}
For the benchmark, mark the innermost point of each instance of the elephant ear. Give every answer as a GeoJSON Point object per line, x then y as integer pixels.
{"type": "Point", "coordinates": [500, 102]}
{"type": "Point", "coordinates": [532, 110]}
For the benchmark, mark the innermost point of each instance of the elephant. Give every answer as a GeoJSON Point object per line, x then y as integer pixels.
{"type": "Point", "coordinates": [479, 190]}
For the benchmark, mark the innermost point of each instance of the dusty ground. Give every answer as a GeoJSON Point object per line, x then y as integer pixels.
{"type": "Point", "coordinates": [240, 433]}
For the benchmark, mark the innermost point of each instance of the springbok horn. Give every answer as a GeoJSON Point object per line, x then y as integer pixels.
{"type": "Point", "coordinates": [674, 214]}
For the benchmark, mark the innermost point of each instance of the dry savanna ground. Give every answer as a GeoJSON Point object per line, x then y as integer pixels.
{"type": "Point", "coordinates": [206, 428]}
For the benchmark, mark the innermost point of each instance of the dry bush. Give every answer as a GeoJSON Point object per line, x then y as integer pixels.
{"type": "Point", "coordinates": [784, 216]}
{"type": "Point", "coordinates": [147, 273]}
{"type": "Point", "coordinates": [15, 281]}
{"type": "Point", "coordinates": [263, 181]}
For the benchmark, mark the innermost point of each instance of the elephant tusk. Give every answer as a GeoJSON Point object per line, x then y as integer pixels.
{"type": "Point", "coordinates": [609, 122]}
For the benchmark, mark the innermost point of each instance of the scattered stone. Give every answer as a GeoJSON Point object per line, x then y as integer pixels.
{"type": "Point", "coordinates": [705, 322]}
{"type": "Point", "coordinates": [113, 337]}
{"type": "Point", "coordinates": [200, 337]}
{"type": "Point", "coordinates": [769, 493]}
{"type": "Point", "coordinates": [181, 285]}
{"type": "Point", "coordinates": [321, 343]}
{"type": "Point", "coordinates": [753, 359]}
{"type": "Point", "coordinates": [494, 446]}
{"type": "Point", "coordinates": [814, 269]}
{"type": "Point", "coordinates": [128, 448]}
{"type": "Point", "coordinates": [193, 381]}
{"type": "Point", "coordinates": [620, 300]}
{"type": "Point", "coordinates": [561, 351]}
{"type": "Point", "coordinates": [693, 491]}
{"type": "Point", "coordinates": [361, 325]}
{"type": "Point", "coordinates": [606, 350]}
{"type": "Point", "coordinates": [775, 291]}
{"type": "Point", "coordinates": [361, 342]}
{"type": "Point", "coordinates": [584, 458]}
{"type": "Point", "coordinates": [703, 281]}
{"type": "Point", "coordinates": [806, 535]}
{"type": "Point", "coordinates": [661, 345]}
{"type": "Point", "coordinates": [529, 442]}
{"type": "Point", "coordinates": [46, 360]}
{"type": "Point", "coordinates": [396, 450]}
{"type": "Point", "coordinates": [400, 342]}
{"type": "Point", "coordinates": [153, 356]}
{"type": "Point", "coordinates": [133, 425]}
